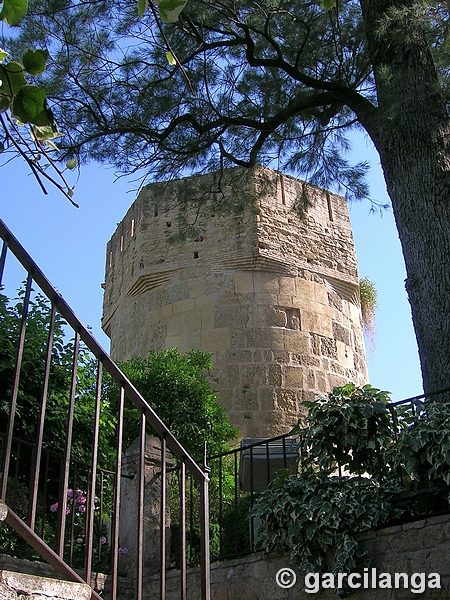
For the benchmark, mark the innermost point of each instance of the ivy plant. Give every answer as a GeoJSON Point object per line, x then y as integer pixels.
{"type": "Point", "coordinates": [318, 513]}
{"type": "Point", "coordinates": [346, 483]}
{"type": "Point", "coordinates": [351, 455]}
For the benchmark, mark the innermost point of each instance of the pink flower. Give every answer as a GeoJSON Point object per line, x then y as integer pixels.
{"type": "Point", "coordinates": [54, 507]}
{"type": "Point", "coordinates": [81, 498]}
{"type": "Point", "coordinates": [123, 551]}
{"type": "Point", "coordinates": [102, 540]}
{"type": "Point", "coordinates": [67, 510]}
{"type": "Point", "coordinates": [82, 508]}
{"type": "Point", "coordinates": [70, 493]}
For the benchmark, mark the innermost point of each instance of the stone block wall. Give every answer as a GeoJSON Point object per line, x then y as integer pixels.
{"type": "Point", "coordinates": [19, 586]}
{"type": "Point", "coordinates": [271, 293]}
{"type": "Point", "coordinates": [422, 547]}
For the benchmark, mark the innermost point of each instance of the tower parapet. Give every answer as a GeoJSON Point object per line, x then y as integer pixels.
{"type": "Point", "coordinates": [271, 289]}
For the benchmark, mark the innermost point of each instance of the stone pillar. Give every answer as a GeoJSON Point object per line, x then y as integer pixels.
{"type": "Point", "coordinates": [129, 505]}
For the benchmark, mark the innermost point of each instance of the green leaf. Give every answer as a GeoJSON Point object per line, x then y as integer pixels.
{"type": "Point", "coordinates": [71, 164]}
{"type": "Point", "coordinates": [3, 55]}
{"type": "Point", "coordinates": [11, 78]}
{"type": "Point", "coordinates": [170, 58]}
{"type": "Point", "coordinates": [29, 105]}
{"type": "Point", "coordinates": [44, 133]}
{"type": "Point", "coordinates": [13, 11]}
{"type": "Point", "coordinates": [310, 529]}
{"type": "Point", "coordinates": [169, 10]}
{"type": "Point", "coordinates": [35, 61]}
{"type": "Point", "coordinates": [142, 6]}
{"type": "Point", "coordinates": [328, 4]}
{"type": "Point", "coordinates": [5, 102]}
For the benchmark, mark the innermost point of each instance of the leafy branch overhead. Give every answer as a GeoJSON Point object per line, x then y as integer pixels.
{"type": "Point", "coordinates": [24, 104]}
{"type": "Point", "coordinates": [209, 84]}
{"type": "Point", "coordinates": [29, 128]}
{"type": "Point", "coordinates": [26, 120]}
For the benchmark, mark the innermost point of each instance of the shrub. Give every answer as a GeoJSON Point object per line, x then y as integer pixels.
{"type": "Point", "coordinates": [178, 389]}
{"type": "Point", "coordinates": [349, 429]}
{"type": "Point", "coordinates": [316, 513]}
{"type": "Point", "coordinates": [351, 433]}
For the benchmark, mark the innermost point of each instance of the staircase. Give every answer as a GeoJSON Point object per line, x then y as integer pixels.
{"type": "Point", "coordinates": [60, 499]}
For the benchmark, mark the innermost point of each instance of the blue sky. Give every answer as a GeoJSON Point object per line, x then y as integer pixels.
{"type": "Point", "coordinates": [69, 246]}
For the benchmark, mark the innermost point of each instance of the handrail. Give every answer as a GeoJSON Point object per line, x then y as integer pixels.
{"type": "Point", "coordinates": [67, 504]}
{"type": "Point", "coordinates": [67, 313]}
{"type": "Point", "coordinates": [9, 516]}
{"type": "Point", "coordinates": [420, 397]}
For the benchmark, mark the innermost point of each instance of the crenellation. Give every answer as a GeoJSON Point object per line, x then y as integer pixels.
{"type": "Point", "coordinates": [272, 294]}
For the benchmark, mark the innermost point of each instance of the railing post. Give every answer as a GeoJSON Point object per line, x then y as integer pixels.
{"type": "Point", "coordinates": [116, 496]}
{"type": "Point", "coordinates": [183, 573]}
{"type": "Point", "coordinates": [170, 449]}
{"type": "Point", "coordinates": [205, 561]}
{"type": "Point", "coordinates": [3, 259]}
{"type": "Point", "coordinates": [15, 389]}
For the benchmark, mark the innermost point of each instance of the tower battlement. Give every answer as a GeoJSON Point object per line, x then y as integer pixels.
{"type": "Point", "coordinates": [265, 279]}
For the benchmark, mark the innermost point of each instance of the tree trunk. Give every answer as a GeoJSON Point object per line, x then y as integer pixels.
{"type": "Point", "coordinates": [411, 131]}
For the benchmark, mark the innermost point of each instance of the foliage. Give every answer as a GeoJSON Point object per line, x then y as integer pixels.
{"type": "Point", "coordinates": [423, 448]}
{"type": "Point", "coordinates": [266, 82]}
{"type": "Point", "coordinates": [31, 379]}
{"type": "Point", "coordinates": [350, 429]}
{"type": "Point", "coordinates": [214, 85]}
{"type": "Point", "coordinates": [368, 296]}
{"type": "Point", "coordinates": [178, 390]}
{"type": "Point", "coordinates": [217, 117]}
{"type": "Point", "coordinates": [24, 103]}
{"type": "Point", "coordinates": [317, 512]}
{"type": "Point", "coordinates": [28, 125]}
{"type": "Point", "coordinates": [357, 470]}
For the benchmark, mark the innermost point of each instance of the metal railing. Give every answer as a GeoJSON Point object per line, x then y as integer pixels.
{"type": "Point", "coordinates": [67, 508]}
{"type": "Point", "coordinates": [237, 476]}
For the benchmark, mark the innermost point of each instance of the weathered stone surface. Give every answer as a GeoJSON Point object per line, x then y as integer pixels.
{"type": "Point", "coordinates": [259, 286]}
{"type": "Point", "coordinates": [254, 577]}
{"type": "Point", "coordinates": [129, 506]}
{"type": "Point", "coordinates": [19, 586]}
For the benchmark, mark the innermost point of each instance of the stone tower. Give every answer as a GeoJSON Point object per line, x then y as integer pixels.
{"type": "Point", "coordinates": [271, 289]}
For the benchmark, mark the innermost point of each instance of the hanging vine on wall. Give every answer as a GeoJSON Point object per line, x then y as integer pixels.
{"type": "Point", "coordinates": [368, 296]}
